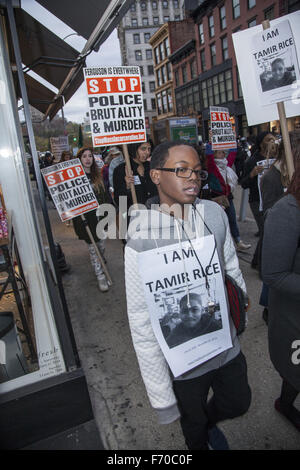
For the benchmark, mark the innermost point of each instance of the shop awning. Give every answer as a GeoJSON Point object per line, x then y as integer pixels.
{"type": "Point", "coordinates": [51, 58]}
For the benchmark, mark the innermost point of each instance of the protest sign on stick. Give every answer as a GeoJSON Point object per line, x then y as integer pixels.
{"type": "Point", "coordinates": [72, 195]}
{"type": "Point", "coordinates": [222, 134]}
{"type": "Point", "coordinates": [116, 108]}
{"type": "Point", "coordinates": [281, 112]}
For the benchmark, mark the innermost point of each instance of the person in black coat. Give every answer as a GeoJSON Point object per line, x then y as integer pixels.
{"type": "Point", "coordinates": [265, 147]}
{"type": "Point", "coordinates": [140, 176]}
{"type": "Point", "coordinates": [281, 272]}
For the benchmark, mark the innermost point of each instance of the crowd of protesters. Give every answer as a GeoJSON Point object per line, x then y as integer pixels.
{"type": "Point", "coordinates": [196, 175]}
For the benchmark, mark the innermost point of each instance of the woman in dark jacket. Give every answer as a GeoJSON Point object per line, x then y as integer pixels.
{"type": "Point", "coordinates": [140, 177]}
{"type": "Point", "coordinates": [265, 147]}
{"type": "Point", "coordinates": [281, 272]}
{"type": "Point", "coordinates": [93, 174]}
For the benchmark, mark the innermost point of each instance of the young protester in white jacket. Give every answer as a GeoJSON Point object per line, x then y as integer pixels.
{"type": "Point", "coordinates": [176, 170]}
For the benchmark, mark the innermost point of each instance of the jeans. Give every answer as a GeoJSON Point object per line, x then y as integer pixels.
{"type": "Point", "coordinates": [231, 398]}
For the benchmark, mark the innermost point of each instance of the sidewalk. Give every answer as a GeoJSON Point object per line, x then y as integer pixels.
{"type": "Point", "coordinates": [121, 407]}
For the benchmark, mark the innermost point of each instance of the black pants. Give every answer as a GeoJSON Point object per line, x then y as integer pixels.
{"type": "Point", "coordinates": [231, 398]}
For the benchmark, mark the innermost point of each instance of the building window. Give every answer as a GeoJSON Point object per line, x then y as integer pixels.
{"type": "Point", "coordinates": [143, 6]}
{"type": "Point", "coordinates": [150, 70]}
{"type": "Point", "coordinates": [133, 7]}
{"type": "Point", "coordinates": [147, 37]}
{"type": "Point", "coordinates": [138, 55]}
{"type": "Point", "coordinates": [193, 69]}
{"type": "Point", "coordinates": [293, 5]}
{"type": "Point", "coordinates": [143, 87]}
{"type": "Point", "coordinates": [252, 23]}
{"type": "Point", "coordinates": [202, 60]}
{"type": "Point", "coordinates": [240, 92]}
{"type": "Point", "coordinates": [136, 39]}
{"type": "Point", "coordinates": [163, 74]}
{"type": "Point", "coordinates": [217, 90]}
{"type": "Point", "coordinates": [169, 71]}
{"type": "Point", "coordinates": [155, 20]}
{"type": "Point", "coordinates": [166, 19]}
{"type": "Point", "coordinates": [153, 104]}
{"type": "Point", "coordinates": [134, 22]}
{"type": "Point", "coordinates": [165, 4]}
{"type": "Point", "coordinates": [201, 33]}
{"type": "Point", "coordinates": [211, 26]}
{"type": "Point", "coordinates": [167, 48]}
{"type": "Point", "coordinates": [145, 21]}
{"type": "Point", "coordinates": [145, 104]}
{"type": "Point", "coordinates": [158, 79]}
{"type": "Point", "coordinates": [148, 54]}
{"type": "Point", "coordinates": [156, 55]}
{"type": "Point", "coordinates": [151, 86]}
{"type": "Point", "coordinates": [161, 51]}
{"type": "Point", "coordinates": [184, 74]}
{"type": "Point", "coordinates": [154, 5]}
{"type": "Point", "coordinates": [269, 13]}
{"type": "Point", "coordinates": [175, 3]}
{"type": "Point", "coordinates": [158, 98]}
{"type": "Point", "coordinates": [251, 4]}
{"type": "Point", "coordinates": [223, 17]}
{"type": "Point", "coordinates": [141, 70]}
{"type": "Point", "coordinates": [176, 75]}
{"type": "Point", "coordinates": [236, 10]}
{"type": "Point", "coordinates": [213, 55]}
{"type": "Point", "coordinates": [224, 43]}
{"type": "Point", "coordinates": [177, 18]}
{"type": "Point", "coordinates": [170, 100]}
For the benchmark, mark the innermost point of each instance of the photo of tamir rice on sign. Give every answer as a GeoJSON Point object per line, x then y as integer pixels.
{"type": "Point", "coordinates": [187, 305]}
{"type": "Point", "coordinates": [276, 63]}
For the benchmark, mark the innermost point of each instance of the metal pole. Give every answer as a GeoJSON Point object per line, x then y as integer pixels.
{"type": "Point", "coordinates": [67, 341]}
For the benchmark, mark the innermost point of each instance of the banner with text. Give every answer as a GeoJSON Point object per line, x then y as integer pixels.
{"type": "Point", "coordinates": [222, 134]}
{"type": "Point", "coordinates": [58, 145]}
{"type": "Point", "coordinates": [70, 189]}
{"type": "Point", "coordinates": [191, 324]}
{"type": "Point", "coordinates": [115, 105]}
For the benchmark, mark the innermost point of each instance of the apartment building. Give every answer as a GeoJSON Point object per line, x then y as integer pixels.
{"type": "Point", "coordinates": [217, 82]}
{"type": "Point", "coordinates": [142, 20]}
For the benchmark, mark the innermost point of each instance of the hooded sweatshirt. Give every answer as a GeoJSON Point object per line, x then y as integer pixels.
{"type": "Point", "coordinates": [153, 365]}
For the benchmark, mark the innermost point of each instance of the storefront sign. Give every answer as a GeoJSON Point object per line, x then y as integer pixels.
{"type": "Point", "coordinates": [263, 55]}
{"type": "Point", "coordinates": [184, 129]}
{"type": "Point", "coordinates": [222, 134]}
{"type": "Point", "coordinates": [115, 105]}
{"type": "Point", "coordinates": [70, 189]}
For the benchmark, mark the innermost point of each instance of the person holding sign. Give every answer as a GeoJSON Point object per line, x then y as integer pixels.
{"type": "Point", "coordinates": [140, 175]}
{"type": "Point", "coordinates": [94, 175]}
{"type": "Point", "coordinates": [184, 222]}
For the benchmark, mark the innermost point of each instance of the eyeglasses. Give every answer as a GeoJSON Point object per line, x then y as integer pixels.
{"type": "Point", "coordinates": [186, 172]}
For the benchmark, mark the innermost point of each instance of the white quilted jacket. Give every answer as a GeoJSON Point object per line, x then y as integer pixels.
{"type": "Point", "coordinates": [154, 368]}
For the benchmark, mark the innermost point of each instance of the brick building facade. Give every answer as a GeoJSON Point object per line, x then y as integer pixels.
{"type": "Point", "coordinates": [213, 80]}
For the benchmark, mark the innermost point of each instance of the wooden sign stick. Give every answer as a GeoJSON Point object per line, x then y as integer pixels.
{"type": "Point", "coordinates": [128, 166]}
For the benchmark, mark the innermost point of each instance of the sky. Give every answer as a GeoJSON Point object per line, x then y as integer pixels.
{"type": "Point", "coordinates": [108, 55]}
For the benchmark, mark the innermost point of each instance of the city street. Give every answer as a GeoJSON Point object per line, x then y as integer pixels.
{"type": "Point", "coordinates": [121, 407]}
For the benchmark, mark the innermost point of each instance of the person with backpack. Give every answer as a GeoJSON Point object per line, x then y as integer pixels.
{"type": "Point", "coordinates": [178, 217]}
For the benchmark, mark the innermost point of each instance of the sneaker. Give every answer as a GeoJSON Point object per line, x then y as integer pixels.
{"type": "Point", "coordinates": [102, 283]}
{"type": "Point", "coordinates": [241, 246]}
{"type": "Point", "coordinates": [216, 439]}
